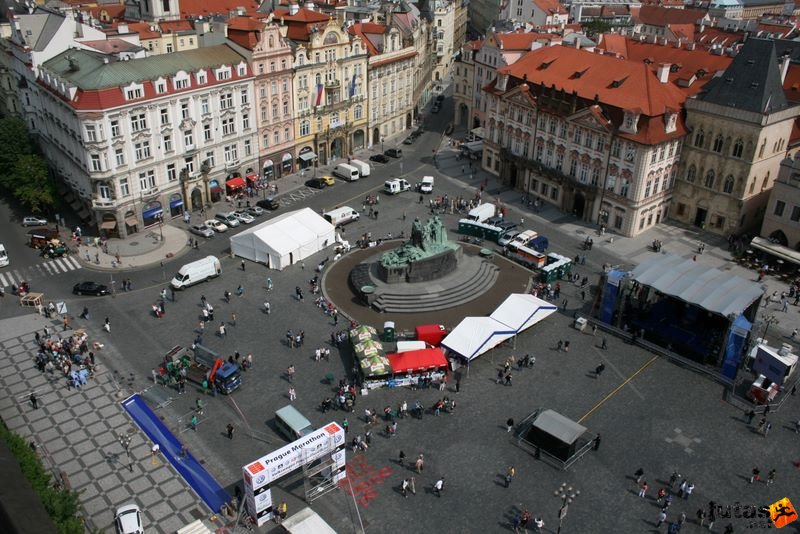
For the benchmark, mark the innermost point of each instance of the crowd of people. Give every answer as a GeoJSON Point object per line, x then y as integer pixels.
{"type": "Point", "coordinates": [69, 356]}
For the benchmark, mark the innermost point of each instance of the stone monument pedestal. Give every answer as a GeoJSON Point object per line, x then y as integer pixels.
{"type": "Point", "coordinates": [421, 270]}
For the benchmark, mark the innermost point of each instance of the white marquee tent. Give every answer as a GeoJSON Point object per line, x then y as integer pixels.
{"type": "Point", "coordinates": [476, 335]}
{"type": "Point", "coordinates": [284, 240]}
{"type": "Point", "coordinates": [522, 310]}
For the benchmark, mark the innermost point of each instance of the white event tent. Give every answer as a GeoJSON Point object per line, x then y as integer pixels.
{"type": "Point", "coordinates": [284, 240]}
{"type": "Point", "coordinates": [476, 335]}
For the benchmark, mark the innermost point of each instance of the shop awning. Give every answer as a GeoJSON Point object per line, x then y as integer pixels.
{"type": "Point", "coordinates": [252, 177]}
{"type": "Point", "coordinates": [235, 183]}
{"type": "Point", "coordinates": [268, 163]}
{"type": "Point", "coordinates": [480, 131]}
{"type": "Point", "coordinates": [131, 221]}
{"type": "Point", "coordinates": [216, 189]}
{"type": "Point", "coordinates": [779, 251]}
{"type": "Point", "coordinates": [152, 213]}
{"type": "Point", "coordinates": [108, 225]}
{"type": "Point", "coordinates": [417, 360]}
{"type": "Point", "coordinates": [308, 156]}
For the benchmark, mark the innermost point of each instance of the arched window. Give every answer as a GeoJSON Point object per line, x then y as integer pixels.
{"type": "Point", "coordinates": [358, 112]}
{"type": "Point", "coordinates": [271, 42]}
{"type": "Point", "coordinates": [738, 148]}
{"type": "Point", "coordinates": [718, 144]}
{"type": "Point", "coordinates": [710, 180]}
{"type": "Point", "coordinates": [765, 183]}
{"type": "Point", "coordinates": [699, 138]}
{"type": "Point", "coordinates": [691, 173]}
{"type": "Point", "coordinates": [728, 186]}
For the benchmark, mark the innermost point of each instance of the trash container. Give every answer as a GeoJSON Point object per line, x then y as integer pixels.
{"type": "Point", "coordinates": [389, 331]}
{"type": "Point", "coordinates": [580, 324]}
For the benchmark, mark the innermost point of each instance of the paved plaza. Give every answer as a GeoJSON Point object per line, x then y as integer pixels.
{"type": "Point", "coordinates": [650, 413]}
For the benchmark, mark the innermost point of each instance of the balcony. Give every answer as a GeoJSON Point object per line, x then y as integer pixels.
{"type": "Point", "coordinates": [332, 84]}
{"type": "Point", "coordinates": [102, 203]}
{"type": "Point", "coordinates": [149, 192]}
{"type": "Point", "coordinates": [232, 165]}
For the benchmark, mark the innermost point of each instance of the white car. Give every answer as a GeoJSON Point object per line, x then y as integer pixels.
{"type": "Point", "coordinates": [217, 226]}
{"type": "Point", "coordinates": [34, 221]}
{"type": "Point", "coordinates": [255, 211]}
{"type": "Point", "coordinates": [201, 230]}
{"type": "Point", "coordinates": [128, 520]}
{"type": "Point", "coordinates": [243, 216]}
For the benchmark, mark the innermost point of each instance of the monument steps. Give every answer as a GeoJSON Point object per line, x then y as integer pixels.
{"type": "Point", "coordinates": [480, 282]}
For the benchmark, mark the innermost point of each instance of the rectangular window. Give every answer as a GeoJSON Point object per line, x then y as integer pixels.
{"type": "Point", "coordinates": [97, 165]}
{"type": "Point", "coordinates": [188, 139]}
{"type": "Point", "coordinates": [207, 132]}
{"type": "Point", "coordinates": [287, 136]}
{"type": "Point", "coordinates": [147, 181]}
{"type": "Point", "coordinates": [115, 132]}
{"type": "Point", "coordinates": [223, 74]}
{"type": "Point", "coordinates": [119, 156]}
{"type": "Point", "coordinates": [184, 110]}
{"type": "Point", "coordinates": [210, 160]}
{"type": "Point", "coordinates": [167, 143]}
{"type": "Point", "coordinates": [795, 213]}
{"type": "Point", "coordinates": [245, 97]}
{"type": "Point", "coordinates": [132, 94]}
{"type": "Point", "coordinates": [554, 193]}
{"type": "Point", "coordinates": [124, 188]}
{"type": "Point", "coordinates": [201, 78]}
{"type": "Point", "coordinates": [276, 137]}
{"type": "Point", "coordinates": [231, 153]}
{"type": "Point", "coordinates": [248, 148]}
{"type": "Point", "coordinates": [172, 175]}
{"type": "Point", "coordinates": [142, 150]}
{"type": "Point", "coordinates": [164, 113]}
{"type": "Point", "coordinates": [91, 133]}
{"type": "Point", "coordinates": [182, 84]}
{"type": "Point", "coordinates": [226, 101]}
{"type": "Point", "coordinates": [245, 121]}
{"type": "Point", "coordinates": [228, 127]}
{"type": "Point", "coordinates": [779, 207]}
{"type": "Point", "coordinates": [204, 108]}
{"type": "Point", "coordinates": [138, 122]}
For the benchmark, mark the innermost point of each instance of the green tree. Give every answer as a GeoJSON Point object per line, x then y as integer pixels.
{"type": "Point", "coordinates": [596, 27]}
{"type": "Point", "coordinates": [14, 142]}
{"type": "Point", "coordinates": [32, 185]}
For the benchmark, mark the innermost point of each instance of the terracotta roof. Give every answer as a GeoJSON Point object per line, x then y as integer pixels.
{"type": "Point", "coordinates": [522, 41]}
{"type": "Point", "coordinates": [616, 82]}
{"type": "Point", "coordinates": [386, 61]}
{"type": "Point", "coordinates": [299, 25]}
{"type": "Point", "coordinates": [710, 36]}
{"type": "Point", "coordinates": [143, 29]}
{"type": "Point", "coordinates": [197, 8]}
{"type": "Point", "coordinates": [476, 45]}
{"type": "Point", "coordinates": [686, 62]}
{"type": "Point", "coordinates": [245, 24]}
{"type": "Point", "coordinates": [112, 45]}
{"type": "Point", "coordinates": [174, 26]}
{"type": "Point", "coordinates": [791, 84]}
{"type": "Point", "coordinates": [550, 6]}
{"type": "Point", "coordinates": [114, 11]}
{"type": "Point", "coordinates": [370, 33]}
{"type": "Point", "coordinates": [664, 16]}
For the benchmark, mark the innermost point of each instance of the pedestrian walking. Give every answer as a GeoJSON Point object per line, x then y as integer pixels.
{"type": "Point", "coordinates": [292, 394]}
{"type": "Point", "coordinates": [508, 379]}
{"type": "Point", "coordinates": [701, 516]}
{"type": "Point", "coordinates": [229, 429]}
{"type": "Point", "coordinates": [594, 329]}
{"type": "Point", "coordinates": [298, 293]}
{"type": "Point", "coordinates": [267, 307]}
{"type": "Point", "coordinates": [155, 376]}
{"type": "Point", "coordinates": [290, 373]}
{"type": "Point", "coordinates": [662, 492]}
{"type": "Point", "coordinates": [596, 445]}
{"type": "Point", "coordinates": [510, 425]}
{"type": "Point", "coordinates": [688, 491]}
{"type": "Point", "coordinates": [458, 388]}
{"type": "Point", "coordinates": [85, 313]}
{"type": "Point", "coordinates": [682, 488]}
{"type": "Point", "coordinates": [419, 464]}
{"type": "Point", "coordinates": [750, 415]}
{"type": "Point", "coordinates": [412, 483]}
{"type": "Point", "coordinates": [438, 487]}
{"type": "Point", "coordinates": [767, 428]}
{"type": "Point", "coordinates": [345, 425]}
{"type": "Point", "coordinates": [233, 319]}
{"type": "Point", "coordinates": [243, 265]}
{"type": "Point", "coordinates": [673, 478]}
{"type": "Point", "coordinates": [402, 458]}
{"type": "Point", "coordinates": [222, 331]}
{"type": "Point", "coordinates": [559, 345]}
{"type": "Point", "coordinates": [599, 370]}
{"type": "Point", "coordinates": [756, 475]}
{"type": "Point", "coordinates": [643, 489]}
{"type": "Point", "coordinates": [566, 346]}
{"type": "Point", "coordinates": [662, 516]}
{"type": "Point", "coordinates": [34, 401]}
{"type": "Point", "coordinates": [107, 325]}
{"type": "Point", "coordinates": [269, 284]}
{"type": "Point", "coordinates": [604, 345]}
{"type": "Point", "coordinates": [227, 296]}
{"type": "Point", "coordinates": [639, 474]}
{"type": "Point", "coordinates": [193, 422]}
{"type": "Point", "coordinates": [510, 473]}
{"type": "Point", "coordinates": [771, 477]}
{"type": "Point", "coordinates": [404, 488]}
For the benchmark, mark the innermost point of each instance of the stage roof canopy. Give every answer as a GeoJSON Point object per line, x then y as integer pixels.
{"type": "Point", "coordinates": [698, 284]}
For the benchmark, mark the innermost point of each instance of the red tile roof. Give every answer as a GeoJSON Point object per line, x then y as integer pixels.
{"type": "Point", "coordinates": [550, 6]}
{"type": "Point", "coordinates": [111, 11]}
{"type": "Point", "coordinates": [197, 8]}
{"type": "Point", "coordinates": [173, 26]}
{"type": "Point", "coordinates": [664, 16]}
{"type": "Point", "coordinates": [522, 40]}
{"type": "Point", "coordinates": [369, 33]}
{"type": "Point", "coordinates": [248, 24]}
{"type": "Point", "coordinates": [620, 83]}
{"type": "Point", "coordinates": [143, 29]}
{"type": "Point", "coordinates": [299, 25]}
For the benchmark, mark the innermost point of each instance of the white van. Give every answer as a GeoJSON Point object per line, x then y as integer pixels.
{"type": "Point", "coordinates": [292, 423]}
{"type": "Point", "coordinates": [481, 212]}
{"type": "Point", "coordinates": [398, 185]}
{"type": "Point", "coordinates": [3, 256]}
{"type": "Point", "coordinates": [342, 215]}
{"type": "Point", "coordinates": [426, 185]}
{"type": "Point", "coordinates": [196, 272]}
{"type": "Point", "coordinates": [363, 168]}
{"type": "Point", "coordinates": [346, 172]}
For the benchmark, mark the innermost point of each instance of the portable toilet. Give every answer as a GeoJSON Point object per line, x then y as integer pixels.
{"type": "Point", "coordinates": [389, 333]}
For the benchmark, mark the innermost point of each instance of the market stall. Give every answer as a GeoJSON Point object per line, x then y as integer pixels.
{"type": "Point", "coordinates": [432, 334]}
{"type": "Point", "coordinates": [368, 352]}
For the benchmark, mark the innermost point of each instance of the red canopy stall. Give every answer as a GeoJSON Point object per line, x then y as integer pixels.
{"type": "Point", "coordinates": [432, 334]}
{"type": "Point", "coordinates": [416, 361]}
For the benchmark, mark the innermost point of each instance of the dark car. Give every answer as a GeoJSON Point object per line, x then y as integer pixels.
{"type": "Point", "coordinates": [317, 183]}
{"type": "Point", "coordinates": [380, 158]}
{"type": "Point", "coordinates": [90, 288]}
{"type": "Point", "coordinates": [394, 153]}
{"type": "Point", "coordinates": [269, 203]}
{"type": "Point", "coordinates": [409, 140]}
{"type": "Point", "coordinates": [416, 133]}
{"type": "Point", "coordinates": [439, 98]}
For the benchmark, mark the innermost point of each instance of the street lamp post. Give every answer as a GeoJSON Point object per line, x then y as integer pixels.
{"type": "Point", "coordinates": [161, 226]}
{"type": "Point", "coordinates": [567, 495]}
{"type": "Point", "coordinates": [125, 441]}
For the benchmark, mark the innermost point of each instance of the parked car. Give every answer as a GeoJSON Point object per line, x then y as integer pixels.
{"type": "Point", "coordinates": [409, 140]}
{"type": "Point", "coordinates": [201, 230]}
{"type": "Point", "coordinates": [255, 211]}
{"type": "Point", "coordinates": [128, 520]}
{"type": "Point", "coordinates": [268, 203]}
{"type": "Point", "coordinates": [34, 221]}
{"type": "Point", "coordinates": [417, 133]}
{"type": "Point", "coordinates": [394, 152]}
{"type": "Point", "coordinates": [507, 237]}
{"type": "Point", "coordinates": [216, 225]}
{"type": "Point", "coordinates": [329, 180]}
{"type": "Point", "coordinates": [439, 98]}
{"type": "Point", "coordinates": [317, 183]}
{"type": "Point", "coordinates": [380, 158]}
{"type": "Point", "coordinates": [244, 217]}
{"type": "Point", "coordinates": [89, 288]}
{"type": "Point", "coordinates": [228, 219]}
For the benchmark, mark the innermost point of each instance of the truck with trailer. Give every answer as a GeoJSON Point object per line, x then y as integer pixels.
{"type": "Point", "coordinates": [200, 365]}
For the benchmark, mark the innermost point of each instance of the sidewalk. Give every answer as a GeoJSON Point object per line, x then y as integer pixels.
{"type": "Point", "coordinates": [77, 434]}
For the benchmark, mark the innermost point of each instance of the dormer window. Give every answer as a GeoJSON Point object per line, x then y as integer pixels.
{"type": "Point", "coordinates": [161, 86]}
{"type": "Point", "coordinates": [134, 91]}
{"type": "Point", "coordinates": [241, 70]}
{"type": "Point", "coordinates": [670, 121]}
{"type": "Point", "coordinates": [182, 83]}
{"type": "Point", "coordinates": [202, 78]}
{"type": "Point", "coordinates": [502, 80]}
{"type": "Point", "coordinates": [223, 73]}
{"type": "Point", "coordinates": [630, 122]}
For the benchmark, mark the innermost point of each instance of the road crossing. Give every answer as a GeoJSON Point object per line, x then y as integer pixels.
{"type": "Point", "coordinates": [11, 276]}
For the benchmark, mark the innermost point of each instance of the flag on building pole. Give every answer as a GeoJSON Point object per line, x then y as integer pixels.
{"type": "Point", "coordinates": [319, 95]}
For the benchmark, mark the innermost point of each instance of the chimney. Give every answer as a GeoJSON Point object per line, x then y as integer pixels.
{"type": "Point", "coordinates": [784, 66]}
{"type": "Point", "coordinates": [293, 8]}
{"type": "Point", "coordinates": [663, 72]}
